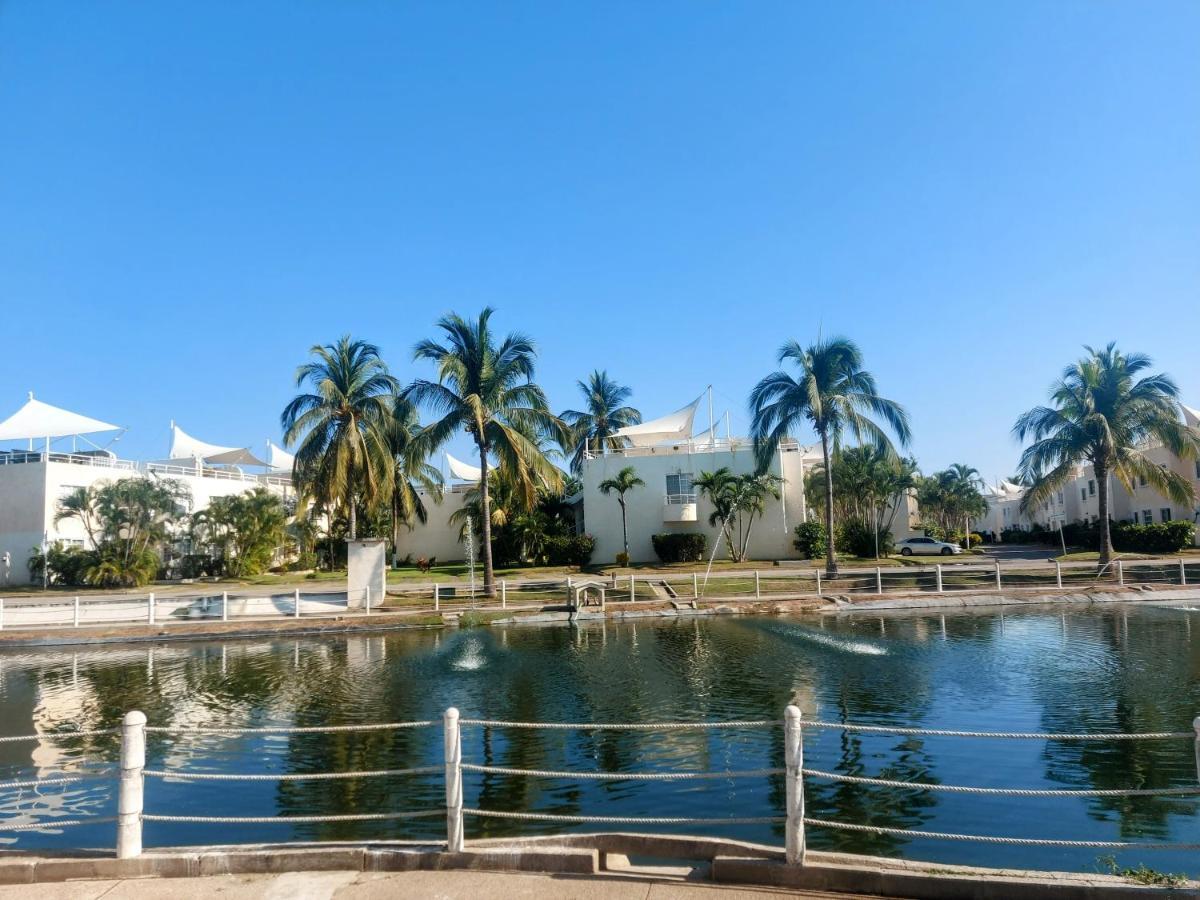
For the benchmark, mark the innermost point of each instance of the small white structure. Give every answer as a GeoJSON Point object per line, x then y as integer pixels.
{"type": "Point", "coordinates": [366, 572]}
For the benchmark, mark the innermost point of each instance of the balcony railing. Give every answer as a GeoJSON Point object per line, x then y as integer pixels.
{"type": "Point", "coordinates": [104, 461]}
{"type": "Point", "coordinates": [692, 445]}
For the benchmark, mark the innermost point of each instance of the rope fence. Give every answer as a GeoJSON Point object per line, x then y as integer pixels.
{"type": "Point", "coordinates": [133, 774]}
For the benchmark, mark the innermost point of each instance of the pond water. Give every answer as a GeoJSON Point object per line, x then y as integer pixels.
{"type": "Point", "coordinates": [1094, 669]}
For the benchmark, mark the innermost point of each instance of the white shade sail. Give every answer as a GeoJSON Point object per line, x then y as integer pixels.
{"type": "Point", "coordinates": [184, 446]}
{"type": "Point", "coordinates": [41, 420]}
{"type": "Point", "coordinates": [461, 470]}
{"type": "Point", "coordinates": [1191, 417]}
{"type": "Point", "coordinates": [279, 459]}
{"type": "Point", "coordinates": [674, 427]}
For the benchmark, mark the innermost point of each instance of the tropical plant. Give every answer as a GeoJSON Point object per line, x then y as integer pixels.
{"type": "Point", "coordinates": [737, 500]}
{"type": "Point", "coordinates": [129, 524]}
{"type": "Point", "coordinates": [1102, 413]}
{"type": "Point", "coordinates": [869, 487]}
{"type": "Point", "coordinates": [244, 531]}
{"type": "Point", "coordinates": [627, 479]}
{"type": "Point", "coordinates": [952, 497]}
{"type": "Point", "coordinates": [679, 546]}
{"type": "Point", "coordinates": [413, 477]}
{"type": "Point", "coordinates": [595, 427]}
{"type": "Point", "coordinates": [833, 394]}
{"type": "Point", "coordinates": [486, 389]}
{"type": "Point", "coordinates": [340, 428]}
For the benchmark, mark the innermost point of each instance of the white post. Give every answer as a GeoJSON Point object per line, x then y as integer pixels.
{"type": "Point", "coordinates": [695, 585]}
{"type": "Point", "coordinates": [1120, 573]}
{"type": "Point", "coordinates": [939, 577]}
{"type": "Point", "coordinates": [503, 594]}
{"type": "Point", "coordinates": [997, 575]}
{"type": "Point", "coordinates": [818, 581]}
{"type": "Point", "coordinates": [436, 598]}
{"type": "Point", "coordinates": [1058, 573]}
{"type": "Point", "coordinates": [878, 580]}
{"type": "Point", "coordinates": [757, 586]}
{"type": "Point", "coordinates": [368, 600]}
{"type": "Point", "coordinates": [452, 741]}
{"type": "Point", "coordinates": [632, 590]}
{"type": "Point", "coordinates": [224, 606]}
{"type": "Point", "coordinates": [129, 795]}
{"type": "Point", "coordinates": [1182, 573]}
{"type": "Point", "coordinates": [793, 752]}
{"type": "Point", "coordinates": [1, 613]}
{"type": "Point", "coordinates": [150, 609]}
{"type": "Point", "coordinates": [76, 619]}
{"type": "Point", "coordinates": [296, 602]}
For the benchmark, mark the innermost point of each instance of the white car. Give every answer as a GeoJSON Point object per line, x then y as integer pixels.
{"type": "Point", "coordinates": [926, 546]}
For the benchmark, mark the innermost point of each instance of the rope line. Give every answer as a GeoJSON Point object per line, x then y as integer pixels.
{"type": "Point", "coordinates": [1023, 735]}
{"type": "Point", "coordinates": [58, 734]}
{"type": "Point", "coordinates": [628, 776]}
{"type": "Point", "coordinates": [284, 729]}
{"type": "Point", "coordinates": [62, 823]}
{"type": "Point", "coordinates": [993, 839]}
{"type": "Point", "coordinates": [624, 820]}
{"type": "Point", "coordinates": [47, 782]}
{"type": "Point", "coordinates": [1009, 792]}
{"type": "Point", "coordinates": [289, 776]}
{"type": "Point", "coordinates": [624, 726]}
{"type": "Point", "coordinates": [298, 820]}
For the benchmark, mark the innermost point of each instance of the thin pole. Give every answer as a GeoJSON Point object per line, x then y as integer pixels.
{"type": "Point", "coordinates": [793, 752]}
{"type": "Point", "coordinates": [130, 790]}
{"type": "Point", "coordinates": [1058, 573]}
{"type": "Point", "coordinates": [997, 575]}
{"type": "Point", "coordinates": [1120, 573]}
{"type": "Point", "coordinates": [757, 586]}
{"type": "Point", "coordinates": [878, 580]}
{"type": "Point", "coordinates": [818, 581]}
{"type": "Point", "coordinates": [76, 610]}
{"type": "Point", "coordinates": [1182, 572]}
{"type": "Point", "coordinates": [436, 598]}
{"type": "Point", "coordinates": [939, 577]}
{"type": "Point", "coordinates": [368, 599]}
{"type": "Point", "coordinates": [503, 594]}
{"type": "Point", "coordinates": [632, 589]}
{"type": "Point", "coordinates": [150, 608]}
{"type": "Point", "coordinates": [296, 598]}
{"type": "Point", "coordinates": [452, 742]}
{"type": "Point", "coordinates": [695, 585]}
{"type": "Point", "coordinates": [711, 425]}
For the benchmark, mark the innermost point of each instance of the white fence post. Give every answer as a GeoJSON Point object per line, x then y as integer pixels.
{"type": "Point", "coordinates": [76, 618]}
{"type": "Point", "coordinates": [452, 741]}
{"type": "Point", "coordinates": [997, 575]}
{"type": "Point", "coordinates": [939, 577]}
{"type": "Point", "coordinates": [1, 613]}
{"type": "Point", "coordinates": [793, 752]}
{"type": "Point", "coordinates": [818, 581]}
{"type": "Point", "coordinates": [503, 594]}
{"type": "Point", "coordinates": [150, 608]}
{"type": "Point", "coordinates": [632, 590]}
{"type": "Point", "coordinates": [368, 599]}
{"type": "Point", "coordinates": [1182, 573]}
{"type": "Point", "coordinates": [695, 585]}
{"type": "Point", "coordinates": [757, 586]}
{"type": "Point", "coordinates": [129, 796]}
{"type": "Point", "coordinates": [296, 599]}
{"type": "Point", "coordinates": [1120, 573]}
{"type": "Point", "coordinates": [878, 580]}
{"type": "Point", "coordinates": [1058, 573]}
{"type": "Point", "coordinates": [436, 598]}
{"type": "Point", "coordinates": [224, 606]}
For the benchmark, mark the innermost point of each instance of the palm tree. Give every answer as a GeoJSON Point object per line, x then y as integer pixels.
{"type": "Point", "coordinates": [834, 394]}
{"type": "Point", "coordinates": [736, 501]}
{"type": "Point", "coordinates": [341, 426]}
{"type": "Point", "coordinates": [487, 390]}
{"type": "Point", "coordinates": [595, 427]}
{"type": "Point", "coordinates": [412, 474]}
{"type": "Point", "coordinates": [1103, 414]}
{"type": "Point", "coordinates": [626, 480]}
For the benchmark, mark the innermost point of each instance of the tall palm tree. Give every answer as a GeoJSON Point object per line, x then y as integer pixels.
{"type": "Point", "coordinates": [595, 427]}
{"type": "Point", "coordinates": [1103, 414]}
{"type": "Point", "coordinates": [340, 427]}
{"type": "Point", "coordinates": [412, 474]}
{"type": "Point", "coordinates": [627, 479]}
{"type": "Point", "coordinates": [487, 390]}
{"type": "Point", "coordinates": [834, 394]}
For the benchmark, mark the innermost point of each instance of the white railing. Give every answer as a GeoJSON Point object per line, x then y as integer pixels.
{"type": "Point", "coordinates": [103, 461]}
{"type": "Point", "coordinates": [132, 809]}
{"type": "Point", "coordinates": [690, 445]}
{"type": "Point", "coordinates": [680, 499]}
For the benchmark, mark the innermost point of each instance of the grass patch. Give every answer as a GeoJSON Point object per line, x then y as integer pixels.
{"type": "Point", "coordinates": [1143, 874]}
{"type": "Point", "coordinates": [474, 618]}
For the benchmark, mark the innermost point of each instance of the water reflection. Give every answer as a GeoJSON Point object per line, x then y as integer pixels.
{"type": "Point", "coordinates": [1103, 669]}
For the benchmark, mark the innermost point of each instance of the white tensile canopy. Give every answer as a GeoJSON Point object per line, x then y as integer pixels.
{"type": "Point", "coordinates": [674, 427]}
{"type": "Point", "coordinates": [463, 471]}
{"type": "Point", "coordinates": [184, 446]}
{"type": "Point", "coordinates": [1191, 417]}
{"type": "Point", "coordinates": [41, 420]}
{"type": "Point", "coordinates": [279, 459]}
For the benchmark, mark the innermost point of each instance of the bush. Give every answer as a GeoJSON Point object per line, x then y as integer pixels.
{"type": "Point", "coordinates": [622, 559]}
{"type": "Point", "coordinates": [679, 546]}
{"type": "Point", "coordinates": [810, 539]}
{"type": "Point", "coordinates": [569, 549]}
{"type": "Point", "coordinates": [858, 539]}
{"type": "Point", "coordinates": [1165, 537]}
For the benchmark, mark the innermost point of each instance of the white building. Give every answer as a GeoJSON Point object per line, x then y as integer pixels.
{"type": "Point", "coordinates": [52, 464]}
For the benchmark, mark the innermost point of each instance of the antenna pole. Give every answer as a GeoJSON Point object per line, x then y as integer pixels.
{"type": "Point", "coordinates": [711, 435]}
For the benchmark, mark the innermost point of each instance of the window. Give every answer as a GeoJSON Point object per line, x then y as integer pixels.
{"type": "Point", "coordinates": [1198, 468]}
{"type": "Point", "coordinates": [1142, 480]}
{"type": "Point", "coordinates": [1083, 494]}
{"type": "Point", "coordinates": [679, 487]}
{"type": "Point", "coordinates": [1147, 517]}
{"type": "Point", "coordinates": [1091, 487]}
{"type": "Point", "coordinates": [1060, 498]}
{"type": "Point", "coordinates": [1165, 513]}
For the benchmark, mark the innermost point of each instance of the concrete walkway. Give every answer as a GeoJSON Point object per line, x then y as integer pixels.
{"type": "Point", "coordinates": [448, 885]}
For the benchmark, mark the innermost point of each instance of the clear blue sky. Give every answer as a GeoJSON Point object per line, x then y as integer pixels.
{"type": "Point", "coordinates": [191, 194]}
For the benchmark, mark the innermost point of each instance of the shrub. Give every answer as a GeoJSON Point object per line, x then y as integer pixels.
{"type": "Point", "coordinates": [858, 539]}
{"type": "Point", "coordinates": [569, 549]}
{"type": "Point", "coordinates": [622, 559]}
{"type": "Point", "coordinates": [1165, 537]}
{"type": "Point", "coordinates": [810, 539]}
{"type": "Point", "coordinates": [679, 546]}
{"type": "Point", "coordinates": [976, 538]}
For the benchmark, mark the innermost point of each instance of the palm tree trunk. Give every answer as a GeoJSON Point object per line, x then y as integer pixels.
{"type": "Point", "coordinates": [353, 518]}
{"type": "Point", "coordinates": [1101, 472]}
{"type": "Point", "coordinates": [624, 529]}
{"type": "Point", "coordinates": [485, 504]}
{"type": "Point", "coordinates": [831, 568]}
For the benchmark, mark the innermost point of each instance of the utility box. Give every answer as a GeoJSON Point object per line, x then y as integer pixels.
{"type": "Point", "coordinates": [366, 572]}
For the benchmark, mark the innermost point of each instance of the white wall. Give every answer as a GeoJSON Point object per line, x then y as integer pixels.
{"type": "Point", "coordinates": [438, 537]}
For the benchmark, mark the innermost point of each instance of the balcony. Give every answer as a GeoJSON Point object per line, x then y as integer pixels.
{"type": "Point", "coordinates": [679, 508]}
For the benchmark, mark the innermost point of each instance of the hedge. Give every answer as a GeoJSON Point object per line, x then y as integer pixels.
{"type": "Point", "coordinates": [679, 546]}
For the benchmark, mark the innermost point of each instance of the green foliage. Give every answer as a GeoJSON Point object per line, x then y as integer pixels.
{"type": "Point", "coordinates": [1163, 537]}
{"type": "Point", "coordinates": [242, 532]}
{"type": "Point", "coordinates": [568, 550]}
{"type": "Point", "coordinates": [857, 539]}
{"type": "Point", "coordinates": [679, 546]}
{"type": "Point", "coordinates": [68, 566]}
{"type": "Point", "coordinates": [950, 497]}
{"type": "Point", "coordinates": [737, 500]}
{"type": "Point", "coordinates": [595, 426]}
{"type": "Point", "coordinates": [627, 479]}
{"type": "Point", "coordinates": [1143, 874]}
{"type": "Point", "coordinates": [622, 559]}
{"type": "Point", "coordinates": [810, 539]}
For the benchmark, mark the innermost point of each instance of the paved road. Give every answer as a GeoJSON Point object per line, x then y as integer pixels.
{"type": "Point", "coordinates": [453, 885]}
{"type": "Point", "coordinates": [1018, 552]}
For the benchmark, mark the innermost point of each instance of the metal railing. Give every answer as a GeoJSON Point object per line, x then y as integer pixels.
{"type": "Point", "coordinates": [103, 461]}
{"type": "Point", "coordinates": [133, 811]}
{"type": "Point", "coordinates": [680, 499]}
